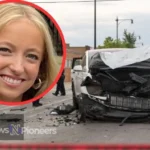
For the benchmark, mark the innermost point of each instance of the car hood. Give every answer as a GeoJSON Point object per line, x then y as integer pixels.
{"type": "Point", "coordinates": [123, 57]}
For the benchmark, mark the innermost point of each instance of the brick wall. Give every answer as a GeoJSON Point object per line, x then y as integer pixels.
{"type": "Point", "coordinates": [71, 53]}
{"type": "Point", "coordinates": [69, 57]}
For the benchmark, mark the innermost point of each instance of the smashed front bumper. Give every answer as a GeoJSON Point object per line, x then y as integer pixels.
{"type": "Point", "coordinates": [112, 106]}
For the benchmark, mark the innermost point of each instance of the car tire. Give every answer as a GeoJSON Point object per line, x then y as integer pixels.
{"type": "Point", "coordinates": [74, 98]}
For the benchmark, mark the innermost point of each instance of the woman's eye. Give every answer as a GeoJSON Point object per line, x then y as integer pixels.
{"type": "Point", "coordinates": [3, 49]}
{"type": "Point", "coordinates": [32, 56]}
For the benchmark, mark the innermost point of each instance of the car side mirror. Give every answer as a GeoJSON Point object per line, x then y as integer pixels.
{"type": "Point", "coordinates": [77, 68]}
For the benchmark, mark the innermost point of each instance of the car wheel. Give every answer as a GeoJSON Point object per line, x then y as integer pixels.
{"type": "Point", "coordinates": [75, 101]}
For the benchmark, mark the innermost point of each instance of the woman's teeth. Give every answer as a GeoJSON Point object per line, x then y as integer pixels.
{"type": "Point", "coordinates": [10, 80]}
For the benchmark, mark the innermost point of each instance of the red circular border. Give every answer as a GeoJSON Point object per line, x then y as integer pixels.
{"type": "Point", "coordinates": [64, 53]}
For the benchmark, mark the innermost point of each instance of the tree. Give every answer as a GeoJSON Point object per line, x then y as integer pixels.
{"type": "Point", "coordinates": [128, 41]}
{"type": "Point", "coordinates": [109, 42]}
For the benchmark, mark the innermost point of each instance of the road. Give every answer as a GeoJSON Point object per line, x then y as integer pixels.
{"type": "Point", "coordinates": [91, 132]}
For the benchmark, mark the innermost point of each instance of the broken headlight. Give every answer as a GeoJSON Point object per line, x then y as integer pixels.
{"type": "Point", "coordinates": [94, 90]}
{"type": "Point", "coordinates": [93, 87]}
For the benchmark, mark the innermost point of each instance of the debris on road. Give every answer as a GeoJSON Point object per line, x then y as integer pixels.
{"type": "Point", "coordinates": [65, 120]}
{"type": "Point", "coordinates": [54, 112]}
{"type": "Point", "coordinates": [62, 110]}
{"type": "Point", "coordinates": [39, 118]}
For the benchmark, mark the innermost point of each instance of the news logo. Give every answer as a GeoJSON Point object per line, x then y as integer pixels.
{"type": "Point", "coordinates": [15, 129]}
{"type": "Point", "coordinates": [11, 126]}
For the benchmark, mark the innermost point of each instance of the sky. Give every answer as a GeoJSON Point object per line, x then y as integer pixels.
{"type": "Point", "coordinates": [76, 20]}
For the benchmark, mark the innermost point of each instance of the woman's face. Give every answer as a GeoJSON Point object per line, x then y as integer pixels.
{"type": "Point", "coordinates": [21, 51]}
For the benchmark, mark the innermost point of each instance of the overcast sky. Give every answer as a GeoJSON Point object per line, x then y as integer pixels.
{"type": "Point", "coordinates": [77, 20]}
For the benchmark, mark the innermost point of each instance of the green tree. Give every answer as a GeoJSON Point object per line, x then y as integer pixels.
{"type": "Point", "coordinates": [109, 42]}
{"type": "Point", "coordinates": [128, 41]}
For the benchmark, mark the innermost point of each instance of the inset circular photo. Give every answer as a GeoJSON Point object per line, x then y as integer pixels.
{"type": "Point", "coordinates": [32, 52]}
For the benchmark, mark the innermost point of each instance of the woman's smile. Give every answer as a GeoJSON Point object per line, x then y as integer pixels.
{"type": "Point", "coordinates": [11, 81]}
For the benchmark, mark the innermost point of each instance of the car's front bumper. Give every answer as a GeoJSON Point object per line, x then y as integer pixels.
{"type": "Point", "coordinates": [114, 107]}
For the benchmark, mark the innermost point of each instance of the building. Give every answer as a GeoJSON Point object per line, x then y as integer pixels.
{"type": "Point", "coordinates": [71, 53]}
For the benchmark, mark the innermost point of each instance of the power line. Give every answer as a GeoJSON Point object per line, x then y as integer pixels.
{"type": "Point", "coordinates": [66, 2]}
{"type": "Point", "coordinates": [79, 1]}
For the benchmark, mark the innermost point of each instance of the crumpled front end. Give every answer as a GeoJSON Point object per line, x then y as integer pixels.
{"type": "Point", "coordinates": [116, 92]}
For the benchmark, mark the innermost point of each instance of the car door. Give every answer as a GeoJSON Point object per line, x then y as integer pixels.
{"type": "Point", "coordinates": [76, 72]}
{"type": "Point", "coordinates": [80, 75]}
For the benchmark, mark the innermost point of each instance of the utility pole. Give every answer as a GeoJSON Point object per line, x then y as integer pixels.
{"type": "Point", "coordinates": [117, 29]}
{"type": "Point", "coordinates": [94, 24]}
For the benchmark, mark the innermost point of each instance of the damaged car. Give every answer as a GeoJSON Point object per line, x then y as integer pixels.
{"type": "Point", "coordinates": [112, 83]}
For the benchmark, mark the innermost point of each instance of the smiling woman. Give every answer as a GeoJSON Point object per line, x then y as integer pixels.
{"type": "Point", "coordinates": [27, 59]}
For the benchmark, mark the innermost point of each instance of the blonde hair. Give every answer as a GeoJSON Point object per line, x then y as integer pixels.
{"type": "Point", "coordinates": [49, 67]}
